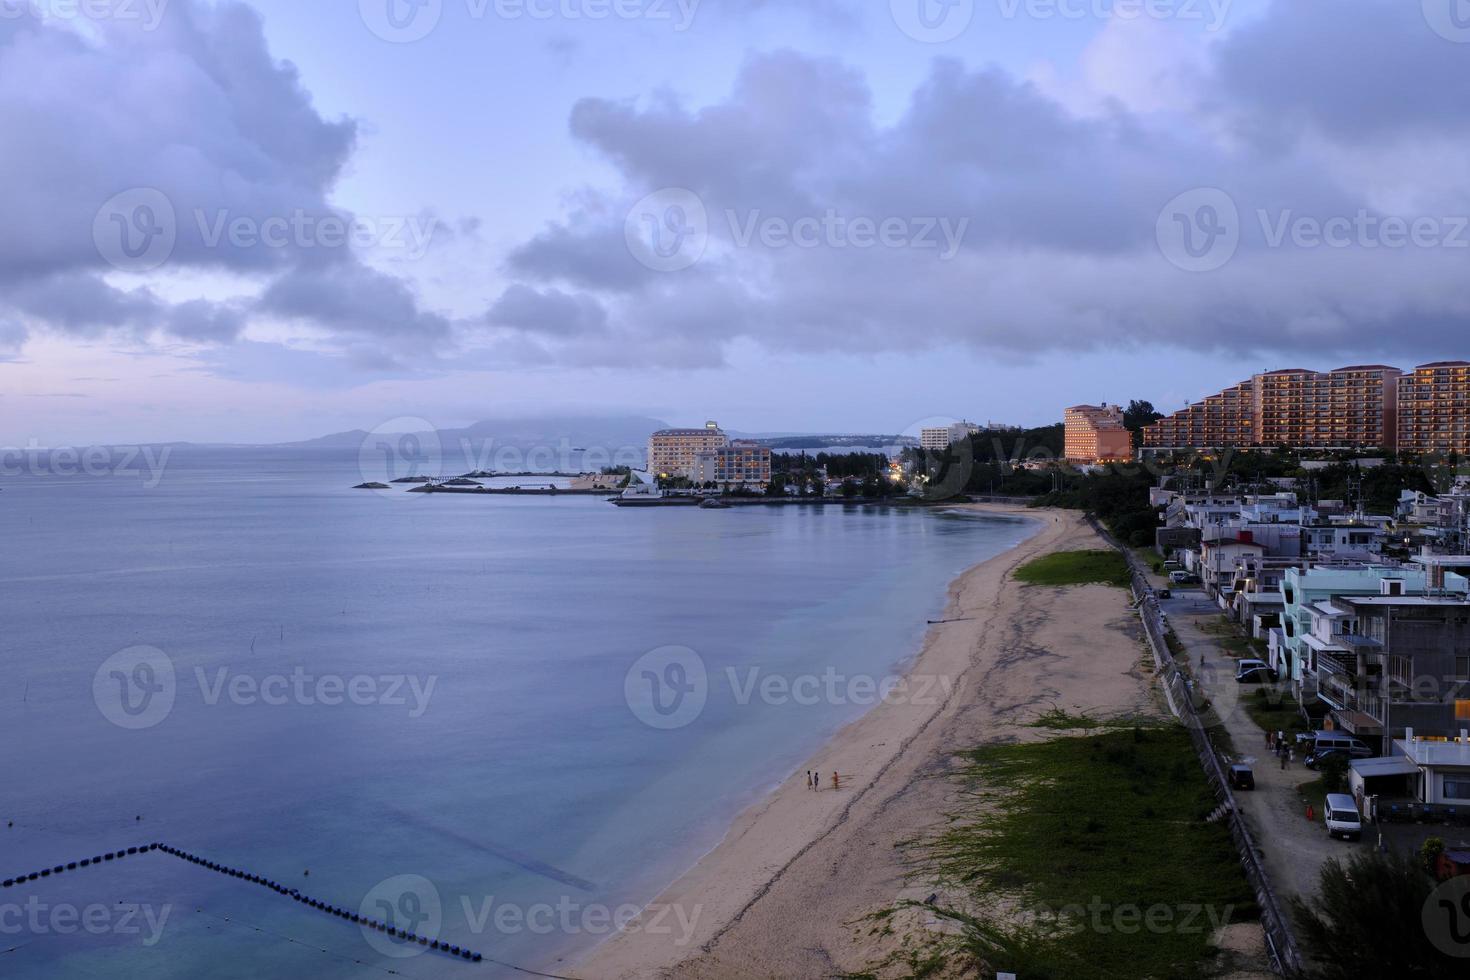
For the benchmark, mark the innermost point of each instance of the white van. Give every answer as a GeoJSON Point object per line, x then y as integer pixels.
{"type": "Point", "coordinates": [1338, 742]}
{"type": "Point", "coordinates": [1342, 817]}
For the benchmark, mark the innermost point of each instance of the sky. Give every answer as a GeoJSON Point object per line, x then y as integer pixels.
{"type": "Point", "coordinates": [268, 220]}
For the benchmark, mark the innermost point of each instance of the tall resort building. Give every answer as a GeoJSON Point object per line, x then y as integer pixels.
{"type": "Point", "coordinates": [1096, 434]}
{"type": "Point", "coordinates": [1350, 408]}
{"type": "Point", "coordinates": [1434, 409]}
{"type": "Point", "coordinates": [673, 452]}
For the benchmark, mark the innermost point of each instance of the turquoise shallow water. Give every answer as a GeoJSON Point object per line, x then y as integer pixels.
{"type": "Point", "coordinates": [514, 789]}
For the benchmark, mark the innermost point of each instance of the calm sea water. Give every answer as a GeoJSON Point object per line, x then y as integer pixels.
{"type": "Point", "coordinates": [411, 705]}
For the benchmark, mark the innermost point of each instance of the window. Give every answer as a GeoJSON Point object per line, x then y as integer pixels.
{"type": "Point", "coordinates": [1456, 789]}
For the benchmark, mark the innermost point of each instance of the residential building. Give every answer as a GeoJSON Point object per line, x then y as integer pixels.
{"type": "Point", "coordinates": [740, 464]}
{"type": "Point", "coordinates": [1443, 766]}
{"type": "Point", "coordinates": [1349, 408]}
{"type": "Point", "coordinates": [1406, 670]}
{"type": "Point", "coordinates": [941, 438]}
{"type": "Point", "coordinates": [1095, 434]}
{"type": "Point", "coordinates": [1434, 408]}
{"type": "Point", "coordinates": [671, 452]}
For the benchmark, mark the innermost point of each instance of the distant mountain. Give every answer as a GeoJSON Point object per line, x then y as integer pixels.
{"type": "Point", "coordinates": [525, 433]}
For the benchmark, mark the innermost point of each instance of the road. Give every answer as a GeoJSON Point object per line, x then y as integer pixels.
{"type": "Point", "coordinates": [1293, 849]}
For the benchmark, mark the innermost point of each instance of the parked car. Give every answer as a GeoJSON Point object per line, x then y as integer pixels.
{"type": "Point", "coordinates": [1241, 777]}
{"type": "Point", "coordinates": [1353, 748]}
{"type": "Point", "coordinates": [1253, 672]}
{"type": "Point", "coordinates": [1179, 577]}
{"type": "Point", "coordinates": [1342, 817]}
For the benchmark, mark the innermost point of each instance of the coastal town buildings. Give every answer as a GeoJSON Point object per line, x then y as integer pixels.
{"type": "Point", "coordinates": [740, 464]}
{"type": "Point", "coordinates": [1434, 408]}
{"type": "Point", "coordinates": [940, 438]}
{"type": "Point", "coordinates": [672, 452]}
{"type": "Point", "coordinates": [1095, 434]}
{"type": "Point", "coordinates": [1354, 407]}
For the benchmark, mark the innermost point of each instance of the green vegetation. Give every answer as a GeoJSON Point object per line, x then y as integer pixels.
{"type": "Point", "coordinates": [1119, 498]}
{"type": "Point", "coordinates": [1107, 567]}
{"type": "Point", "coordinates": [1092, 835]}
{"type": "Point", "coordinates": [1274, 711]}
{"type": "Point", "coordinates": [1368, 919]}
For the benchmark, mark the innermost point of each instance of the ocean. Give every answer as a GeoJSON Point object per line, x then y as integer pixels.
{"type": "Point", "coordinates": [501, 723]}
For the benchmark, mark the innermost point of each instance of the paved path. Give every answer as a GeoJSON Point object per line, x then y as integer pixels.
{"type": "Point", "coordinates": [1293, 849]}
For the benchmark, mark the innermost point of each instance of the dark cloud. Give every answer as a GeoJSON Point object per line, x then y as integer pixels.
{"type": "Point", "coordinates": [1060, 210]}
{"type": "Point", "coordinates": [548, 312]}
{"type": "Point", "coordinates": [200, 122]}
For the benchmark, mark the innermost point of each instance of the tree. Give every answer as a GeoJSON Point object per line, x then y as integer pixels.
{"type": "Point", "coordinates": [1136, 416]}
{"type": "Point", "coordinates": [1367, 921]}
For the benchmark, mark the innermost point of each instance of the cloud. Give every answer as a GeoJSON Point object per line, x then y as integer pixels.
{"type": "Point", "coordinates": [195, 141]}
{"type": "Point", "coordinates": [1056, 209]}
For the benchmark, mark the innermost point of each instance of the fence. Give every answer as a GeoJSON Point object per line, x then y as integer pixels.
{"type": "Point", "coordinates": [1280, 943]}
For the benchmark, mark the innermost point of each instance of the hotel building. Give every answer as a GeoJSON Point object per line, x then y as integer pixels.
{"type": "Point", "coordinates": [937, 440]}
{"type": "Point", "coordinates": [741, 464]}
{"type": "Point", "coordinates": [1350, 408]}
{"type": "Point", "coordinates": [672, 452]}
{"type": "Point", "coordinates": [1095, 434]}
{"type": "Point", "coordinates": [1434, 408]}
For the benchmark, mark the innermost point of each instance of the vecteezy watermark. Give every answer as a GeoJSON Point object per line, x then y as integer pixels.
{"type": "Point", "coordinates": [1210, 14]}
{"type": "Point", "coordinates": [1450, 19]}
{"type": "Point", "coordinates": [405, 916]}
{"type": "Point", "coordinates": [137, 688]}
{"type": "Point", "coordinates": [138, 230]}
{"type": "Point", "coordinates": [1446, 917]}
{"type": "Point", "coordinates": [668, 688]}
{"type": "Point", "coordinates": [570, 917]}
{"type": "Point", "coordinates": [932, 21]}
{"type": "Point", "coordinates": [670, 230]}
{"type": "Point", "coordinates": [1201, 230]}
{"type": "Point", "coordinates": [404, 906]}
{"type": "Point", "coordinates": [146, 14]}
{"type": "Point", "coordinates": [407, 21]}
{"type": "Point", "coordinates": [1129, 919]}
{"type": "Point", "coordinates": [402, 449]}
{"type": "Point", "coordinates": [146, 463]}
{"type": "Point", "coordinates": [37, 918]}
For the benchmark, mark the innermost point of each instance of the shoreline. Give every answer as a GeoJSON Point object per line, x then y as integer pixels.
{"type": "Point", "coordinates": [774, 842]}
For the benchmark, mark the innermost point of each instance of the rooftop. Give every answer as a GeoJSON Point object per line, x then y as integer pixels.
{"type": "Point", "coordinates": [1434, 753]}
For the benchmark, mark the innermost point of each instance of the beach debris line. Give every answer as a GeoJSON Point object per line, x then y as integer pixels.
{"type": "Point", "coordinates": [367, 922]}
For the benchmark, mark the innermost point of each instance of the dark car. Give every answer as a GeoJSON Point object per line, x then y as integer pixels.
{"type": "Point", "coordinates": [1165, 594]}
{"type": "Point", "coordinates": [1254, 672]}
{"type": "Point", "coordinates": [1317, 759]}
{"type": "Point", "coordinates": [1241, 777]}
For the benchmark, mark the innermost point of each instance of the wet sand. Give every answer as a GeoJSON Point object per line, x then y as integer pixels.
{"type": "Point", "coordinates": [787, 892]}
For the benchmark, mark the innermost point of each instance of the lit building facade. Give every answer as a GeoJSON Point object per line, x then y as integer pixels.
{"type": "Point", "coordinates": [1434, 408]}
{"type": "Point", "coordinates": [739, 464]}
{"type": "Point", "coordinates": [672, 452]}
{"type": "Point", "coordinates": [1350, 408]}
{"type": "Point", "coordinates": [939, 439]}
{"type": "Point", "coordinates": [1095, 434]}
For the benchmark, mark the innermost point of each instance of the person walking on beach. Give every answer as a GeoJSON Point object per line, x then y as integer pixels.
{"type": "Point", "coordinates": [836, 781]}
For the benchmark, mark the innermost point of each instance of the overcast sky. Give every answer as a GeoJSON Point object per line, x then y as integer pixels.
{"type": "Point", "coordinates": [270, 220]}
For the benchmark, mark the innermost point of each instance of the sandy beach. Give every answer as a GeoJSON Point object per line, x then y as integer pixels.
{"type": "Point", "coordinates": [785, 893]}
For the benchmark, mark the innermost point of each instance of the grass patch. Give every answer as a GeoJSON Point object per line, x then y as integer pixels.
{"type": "Point", "coordinates": [1274, 711]}
{"type": "Point", "coordinates": [1082, 829]}
{"type": "Point", "coordinates": [1077, 568]}
{"type": "Point", "coordinates": [1060, 720]}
